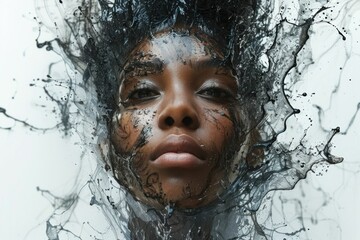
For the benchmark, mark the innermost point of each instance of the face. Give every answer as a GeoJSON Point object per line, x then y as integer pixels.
{"type": "Point", "coordinates": [179, 124]}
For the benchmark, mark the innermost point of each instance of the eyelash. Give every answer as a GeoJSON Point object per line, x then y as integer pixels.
{"type": "Point", "coordinates": [216, 93]}
{"type": "Point", "coordinates": [142, 94]}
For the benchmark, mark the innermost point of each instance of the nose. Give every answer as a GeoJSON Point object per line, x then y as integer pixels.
{"type": "Point", "coordinates": [179, 111]}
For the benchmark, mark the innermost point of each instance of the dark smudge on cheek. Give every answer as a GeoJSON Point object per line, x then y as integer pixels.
{"type": "Point", "coordinates": [216, 117]}
{"type": "Point", "coordinates": [227, 127]}
{"type": "Point", "coordinates": [132, 131]}
{"type": "Point", "coordinates": [228, 114]}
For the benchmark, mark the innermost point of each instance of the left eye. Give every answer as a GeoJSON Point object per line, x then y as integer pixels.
{"type": "Point", "coordinates": [214, 92]}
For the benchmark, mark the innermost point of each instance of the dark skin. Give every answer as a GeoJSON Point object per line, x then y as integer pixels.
{"type": "Point", "coordinates": [178, 113]}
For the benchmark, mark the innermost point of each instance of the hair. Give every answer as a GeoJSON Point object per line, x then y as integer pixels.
{"type": "Point", "coordinates": [128, 22]}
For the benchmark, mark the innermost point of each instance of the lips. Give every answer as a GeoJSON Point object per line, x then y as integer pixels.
{"type": "Point", "coordinates": [178, 151]}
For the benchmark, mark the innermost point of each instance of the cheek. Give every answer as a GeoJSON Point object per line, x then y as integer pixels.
{"type": "Point", "coordinates": [218, 123]}
{"type": "Point", "coordinates": [127, 128]}
{"type": "Point", "coordinates": [223, 134]}
{"type": "Point", "coordinates": [124, 133]}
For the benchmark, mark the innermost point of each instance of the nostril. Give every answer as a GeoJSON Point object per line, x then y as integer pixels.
{"type": "Point", "coordinates": [187, 121]}
{"type": "Point", "coordinates": [169, 121]}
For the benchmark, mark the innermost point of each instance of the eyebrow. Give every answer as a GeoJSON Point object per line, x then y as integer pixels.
{"type": "Point", "coordinates": [210, 63]}
{"type": "Point", "coordinates": [140, 67]}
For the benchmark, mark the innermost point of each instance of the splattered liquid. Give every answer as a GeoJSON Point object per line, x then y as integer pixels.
{"type": "Point", "coordinates": [275, 53]}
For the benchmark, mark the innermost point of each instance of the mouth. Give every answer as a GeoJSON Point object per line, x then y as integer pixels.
{"type": "Point", "coordinates": [178, 151]}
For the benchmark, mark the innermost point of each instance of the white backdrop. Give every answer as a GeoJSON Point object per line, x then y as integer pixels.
{"type": "Point", "coordinates": [31, 158]}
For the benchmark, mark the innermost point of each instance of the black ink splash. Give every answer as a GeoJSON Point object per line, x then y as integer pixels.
{"type": "Point", "coordinates": [269, 48]}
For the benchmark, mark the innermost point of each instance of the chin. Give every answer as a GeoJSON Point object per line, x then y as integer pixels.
{"type": "Point", "coordinates": [185, 195]}
{"type": "Point", "coordinates": [191, 202]}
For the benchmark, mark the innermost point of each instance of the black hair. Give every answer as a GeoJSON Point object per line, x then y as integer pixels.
{"type": "Point", "coordinates": [125, 23]}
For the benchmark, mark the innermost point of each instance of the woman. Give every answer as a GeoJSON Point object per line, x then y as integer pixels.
{"type": "Point", "coordinates": [181, 123]}
{"type": "Point", "coordinates": [184, 99]}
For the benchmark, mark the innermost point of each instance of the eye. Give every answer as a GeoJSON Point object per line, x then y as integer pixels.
{"type": "Point", "coordinates": [143, 94]}
{"type": "Point", "coordinates": [215, 93]}
{"type": "Point", "coordinates": [135, 92]}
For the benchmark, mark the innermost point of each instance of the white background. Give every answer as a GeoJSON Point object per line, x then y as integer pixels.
{"type": "Point", "coordinates": [30, 158]}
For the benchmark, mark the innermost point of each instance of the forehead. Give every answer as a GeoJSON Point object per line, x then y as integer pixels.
{"type": "Point", "coordinates": [174, 47]}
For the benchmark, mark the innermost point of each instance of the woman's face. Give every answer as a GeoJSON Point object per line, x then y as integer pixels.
{"type": "Point", "coordinates": [176, 130]}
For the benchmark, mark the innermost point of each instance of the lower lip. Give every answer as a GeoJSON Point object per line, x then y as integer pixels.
{"type": "Point", "coordinates": [178, 160]}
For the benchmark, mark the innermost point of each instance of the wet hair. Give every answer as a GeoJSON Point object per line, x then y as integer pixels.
{"type": "Point", "coordinates": [128, 22]}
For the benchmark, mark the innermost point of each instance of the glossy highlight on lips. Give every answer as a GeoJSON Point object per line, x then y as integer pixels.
{"type": "Point", "coordinates": [178, 151]}
{"type": "Point", "coordinates": [177, 160]}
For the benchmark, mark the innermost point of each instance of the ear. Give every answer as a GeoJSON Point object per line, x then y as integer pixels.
{"type": "Point", "coordinates": [250, 152]}
{"type": "Point", "coordinates": [104, 148]}
{"type": "Point", "coordinates": [243, 142]}
{"type": "Point", "coordinates": [255, 155]}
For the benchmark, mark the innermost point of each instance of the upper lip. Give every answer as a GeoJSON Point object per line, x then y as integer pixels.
{"type": "Point", "coordinates": [178, 144]}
